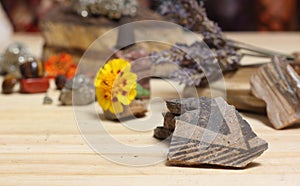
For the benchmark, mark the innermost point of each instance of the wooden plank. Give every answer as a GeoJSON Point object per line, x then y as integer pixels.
{"type": "Point", "coordinates": [65, 158]}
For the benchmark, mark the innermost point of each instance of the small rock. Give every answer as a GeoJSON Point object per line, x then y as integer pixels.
{"type": "Point", "coordinates": [8, 84]}
{"type": "Point", "coordinates": [47, 100]}
{"type": "Point", "coordinates": [77, 91]}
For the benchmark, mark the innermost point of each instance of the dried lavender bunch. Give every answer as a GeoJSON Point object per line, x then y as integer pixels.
{"type": "Point", "coordinates": [192, 15]}
{"type": "Point", "coordinates": [194, 58]}
{"type": "Point", "coordinates": [196, 62]}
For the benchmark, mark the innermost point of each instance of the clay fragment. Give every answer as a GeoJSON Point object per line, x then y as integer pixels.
{"type": "Point", "coordinates": [179, 106]}
{"type": "Point", "coordinates": [162, 133]}
{"type": "Point", "coordinates": [278, 84]}
{"type": "Point", "coordinates": [169, 121]}
{"type": "Point", "coordinates": [214, 134]}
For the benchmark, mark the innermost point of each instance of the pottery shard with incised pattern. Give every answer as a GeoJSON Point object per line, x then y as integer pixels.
{"type": "Point", "coordinates": [209, 131]}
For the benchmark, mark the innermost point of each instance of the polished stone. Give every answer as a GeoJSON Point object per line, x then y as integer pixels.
{"type": "Point", "coordinates": [60, 81]}
{"type": "Point", "coordinates": [34, 85]}
{"type": "Point", "coordinates": [8, 84]}
{"type": "Point", "coordinates": [32, 68]}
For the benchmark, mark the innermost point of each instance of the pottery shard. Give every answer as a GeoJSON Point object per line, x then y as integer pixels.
{"type": "Point", "coordinates": [278, 84]}
{"type": "Point", "coordinates": [179, 106]}
{"type": "Point", "coordinates": [168, 128]}
{"type": "Point", "coordinates": [214, 134]}
{"type": "Point", "coordinates": [162, 133]}
{"type": "Point", "coordinates": [169, 121]}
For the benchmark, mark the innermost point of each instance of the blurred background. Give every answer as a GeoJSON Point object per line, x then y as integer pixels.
{"type": "Point", "coordinates": [231, 15]}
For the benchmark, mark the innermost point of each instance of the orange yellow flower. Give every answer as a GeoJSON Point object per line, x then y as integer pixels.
{"type": "Point", "coordinates": [115, 85]}
{"type": "Point", "coordinates": [62, 64]}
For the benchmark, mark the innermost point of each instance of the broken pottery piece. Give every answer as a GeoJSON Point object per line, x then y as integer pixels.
{"type": "Point", "coordinates": [175, 107]}
{"type": "Point", "coordinates": [297, 58]}
{"type": "Point", "coordinates": [179, 106]}
{"type": "Point", "coordinates": [169, 121]}
{"type": "Point", "coordinates": [162, 133]}
{"type": "Point", "coordinates": [215, 134]}
{"type": "Point", "coordinates": [278, 84]}
{"type": "Point", "coordinates": [168, 128]}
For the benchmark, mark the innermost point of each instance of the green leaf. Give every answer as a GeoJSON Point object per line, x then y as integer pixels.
{"type": "Point", "coordinates": [141, 92]}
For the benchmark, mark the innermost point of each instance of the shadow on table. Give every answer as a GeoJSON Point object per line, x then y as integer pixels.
{"type": "Point", "coordinates": [205, 166]}
{"type": "Point", "coordinates": [264, 119]}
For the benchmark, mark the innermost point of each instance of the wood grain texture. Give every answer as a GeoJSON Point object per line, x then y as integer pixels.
{"type": "Point", "coordinates": [41, 145]}
{"type": "Point", "coordinates": [278, 84]}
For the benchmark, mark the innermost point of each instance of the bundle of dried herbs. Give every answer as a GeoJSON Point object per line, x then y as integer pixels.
{"type": "Point", "coordinates": [196, 61]}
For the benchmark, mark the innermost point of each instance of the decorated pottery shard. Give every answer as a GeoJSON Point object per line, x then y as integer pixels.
{"type": "Point", "coordinates": [214, 134]}
{"type": "Point", "coordinates": [179, 106]}
{"type": "Point", "coordinates": [278, 84]}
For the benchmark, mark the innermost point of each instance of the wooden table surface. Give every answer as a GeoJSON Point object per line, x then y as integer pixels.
{"type": "Point", "coordinates": [42, 145]}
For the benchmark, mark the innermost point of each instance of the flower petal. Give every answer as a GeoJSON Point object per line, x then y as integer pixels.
{"type": "Point", "coordinates": [116, 107]}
